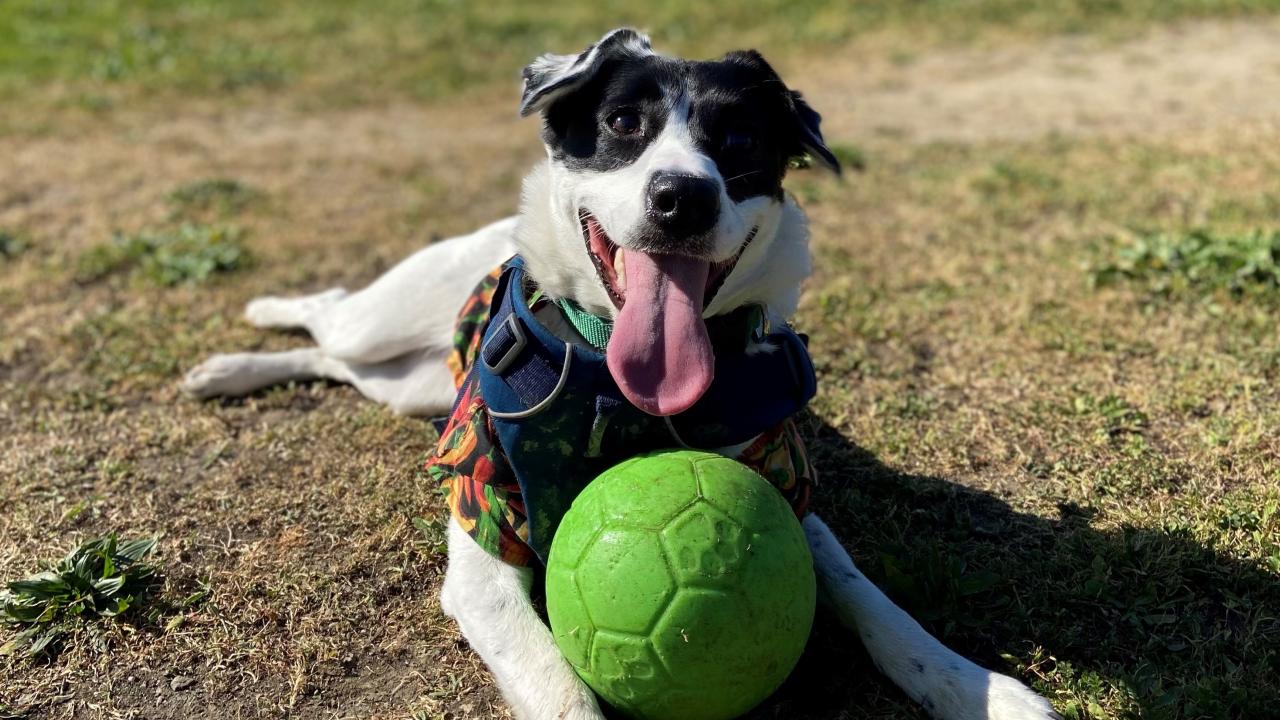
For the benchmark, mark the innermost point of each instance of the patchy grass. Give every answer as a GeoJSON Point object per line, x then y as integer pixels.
{"type": "Point", "coordinates": [217, 197]}
{"type": "Point", "coordinates": [189, 254]}
{"type": "Point", "coordinates": [1118, 454]}
{"type": "Point", "coordinates": [1061, 479]}
{"type": "Point", "coordinates": [11, 245]}
{"type": "Point", "coordinates": [1199, 262]}
{"type": "Point", "coordinates": [99, 580]}
{"type": "Point", "coordinates": [111, 54]}
{"type": "Point", "coordinates": [1072, 481]}
{"type": "Point", "coordinates": [852, 158]}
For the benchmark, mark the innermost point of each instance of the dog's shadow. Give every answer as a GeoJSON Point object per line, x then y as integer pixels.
{"type": "Point", "coordinates": [1146, 620]}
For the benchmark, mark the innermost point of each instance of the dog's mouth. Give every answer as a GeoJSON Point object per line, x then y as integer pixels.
{"type": "Point", "coordinates": [659, 353]}
{"type": "Point", "coordinates": [610, 262]}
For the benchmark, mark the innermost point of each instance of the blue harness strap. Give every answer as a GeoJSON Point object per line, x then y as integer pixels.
{"type": "Point", "coordinates": [561, 419]}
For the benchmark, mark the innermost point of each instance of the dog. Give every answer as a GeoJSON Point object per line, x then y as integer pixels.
{"type": "Point", "coordinates": [658, 213]}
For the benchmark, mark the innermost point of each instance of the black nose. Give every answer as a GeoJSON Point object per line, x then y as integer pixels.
{"type": "Point", "coordinates": [683, 206]}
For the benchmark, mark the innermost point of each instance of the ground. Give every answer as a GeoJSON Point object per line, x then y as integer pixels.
{"type": "Point", "coordinates": [1063, 461]}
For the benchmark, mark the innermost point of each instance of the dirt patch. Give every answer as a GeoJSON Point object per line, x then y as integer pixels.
{"type": "Point", "coordinates": [1170, 79]}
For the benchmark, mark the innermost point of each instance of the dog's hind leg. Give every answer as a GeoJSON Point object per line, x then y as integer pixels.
{"type": "Point", "coordinates": [237, 374]}
{"type": "Point", "coordinates": [296, 312]}
{"type": "Point", "coordinates": [489, 599]}
{"type": "Point", "coordinates": [389, 339]}
{"type": "Point", "coordinates": [417, 383]}
{"type": "Point", "coordinates": [413, 305]}
{"type": "Point", "coordinates": [948, 686]}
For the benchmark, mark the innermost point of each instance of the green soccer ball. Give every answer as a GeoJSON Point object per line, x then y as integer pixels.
{"type": "Point", "coordinates": [680, 585]}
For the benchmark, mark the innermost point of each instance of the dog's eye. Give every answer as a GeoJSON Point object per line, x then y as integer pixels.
{"type": "Point", "coordinates": [625, 122]}
{"type": "Point", "coordinates": [739, 141]}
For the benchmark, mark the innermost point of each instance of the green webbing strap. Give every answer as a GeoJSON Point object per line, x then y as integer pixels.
{"type": "Point", "coordinates": [593, 329]}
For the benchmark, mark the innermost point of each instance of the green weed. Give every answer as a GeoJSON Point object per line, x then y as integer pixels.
{"type": "Point", "coordinates": [432, 538]}
{"type": "Point", "coordinates": [851, 157]}
{"type": "Point", "coordinates": [1118, 416]}
{"type": "Point", "coordinates": [11, 245]}
{"type": "Point", "coordinates": [189, 254]}
{"type": "Point", "coordinates": [99, 580]}
{"type": "Point", "coordinates": [1006, 178]}
{"type": "Point", "coordinates": [1198, 262]}
{"type": "Point", "coordinates": [219, 196]}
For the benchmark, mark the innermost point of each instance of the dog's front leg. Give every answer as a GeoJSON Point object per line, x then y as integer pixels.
{"type": "Point", "coordinates": [948, 686]}
{"type": "Point", "coordinates": [490, 601]}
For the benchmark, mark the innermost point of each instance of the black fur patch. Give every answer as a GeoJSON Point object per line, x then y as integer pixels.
{"type": "Point", "coordinates": [741, 115]}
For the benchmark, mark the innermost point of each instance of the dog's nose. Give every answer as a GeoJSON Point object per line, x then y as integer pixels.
{"type": "Point", "coordinates": [683, 206]}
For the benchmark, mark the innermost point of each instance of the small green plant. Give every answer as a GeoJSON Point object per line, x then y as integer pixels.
{"type": "Point", "coordinates": [851, 157]}
{"type": "Point", "coordinates": [190, 254]}
{"type": "Point", "coordinates": [433, 538]}
{"type": "Point", "coordinates": [220, 196]}
{"type": "Point", "coordinates": [1118, 416]}
{"type": "Point", "coordinates": [100, 579]}
{"type": "Point", "coordinates": [1202, 260]}
{"type": "Point", "coordinates": [11, 245]}
{"type": "Point", "coordinates": [1007, 178]}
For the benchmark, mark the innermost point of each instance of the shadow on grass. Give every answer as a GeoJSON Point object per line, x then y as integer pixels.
{"type": "Point", "coordinates": [1144, 622]}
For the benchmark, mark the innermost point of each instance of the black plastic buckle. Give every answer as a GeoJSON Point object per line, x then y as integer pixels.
{"type": "Point", "coordinates": [518, 342]}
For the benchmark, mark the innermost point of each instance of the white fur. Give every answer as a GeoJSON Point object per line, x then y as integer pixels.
{"type": "Point", "coordinates": [551, 75]}
{"type": "Point", "coordinates": [549, 237]}
{"type": "Point", "coordinates": [946, 685]}
{"type": "Point", "coordinates": [613, 198]}
{"type": "Point", "coordinates": [390, 341]}
{"type": "Point", "coordinates": [490, 601]}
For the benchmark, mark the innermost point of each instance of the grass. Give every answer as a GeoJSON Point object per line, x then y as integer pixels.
{"type": "Point", "coordinates": [1114, 436]}
{"type": "Point", "coordinates": [1199, 262]}
{"type": "Point", "coordinates": [189, 254]}
{"type": "Point", "coordinates": [217, 197]}
{"type": "Point", "coordinates": [101, 56]}
{"type": "Point", "coordinates": [11, 245]}
{"type": "Point", "coordinates": [99, 580]}
{"type": "Point", "coordinates": [1048, 435]}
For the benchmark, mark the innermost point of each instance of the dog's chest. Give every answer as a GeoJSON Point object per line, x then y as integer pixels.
{"type": "Point", "coordinates": [560, 420]}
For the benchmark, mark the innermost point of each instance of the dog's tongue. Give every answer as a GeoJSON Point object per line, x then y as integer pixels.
{"type": "Point", "coordinates": [659, 352]}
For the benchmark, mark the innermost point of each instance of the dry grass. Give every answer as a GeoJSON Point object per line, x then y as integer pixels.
{"type": "Point", "coordinates": [1066, 481]}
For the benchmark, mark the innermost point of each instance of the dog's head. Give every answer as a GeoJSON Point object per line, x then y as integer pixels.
{"type": "Point", "coordinates": [662, 201]}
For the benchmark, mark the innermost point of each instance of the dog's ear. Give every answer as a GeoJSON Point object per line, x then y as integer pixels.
{"type": "Point", "coordinates": [808, 123]}
{"type": "Point", "coordinates": [550, 76]}
{"type": "Point", "coordinates": [803, 123]}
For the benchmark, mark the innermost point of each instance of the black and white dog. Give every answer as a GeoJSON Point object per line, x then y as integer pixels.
{"type": "Point", "coordinates": [660, 205]}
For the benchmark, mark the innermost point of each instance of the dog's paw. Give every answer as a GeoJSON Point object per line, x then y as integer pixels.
{"type": "Point", "coordinates": [1008, 699]}
{"type": "Point", "coordinates": [219, 375]}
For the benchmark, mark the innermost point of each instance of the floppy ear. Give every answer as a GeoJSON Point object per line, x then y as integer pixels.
{"type": "Point", "coordinates": [810, 134]}
{"type": "Point", "coordinates": [550, 76]}
{"type": "Point", "coordinates": [804, 121]}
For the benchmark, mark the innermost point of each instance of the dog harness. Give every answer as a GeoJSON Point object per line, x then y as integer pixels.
{"type": "Point", "coordinates": [538, 416]}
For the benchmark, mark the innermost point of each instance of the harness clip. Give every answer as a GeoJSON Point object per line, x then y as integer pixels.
{"type": "Point", "coordinates": [512, 326]}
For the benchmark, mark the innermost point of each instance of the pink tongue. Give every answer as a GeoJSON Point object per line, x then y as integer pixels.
{"type": "Point", "coordinates": [659, 352]}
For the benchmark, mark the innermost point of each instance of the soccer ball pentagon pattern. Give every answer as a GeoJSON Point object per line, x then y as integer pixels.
{"type": "Point", "coordinates": [680, 585]}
